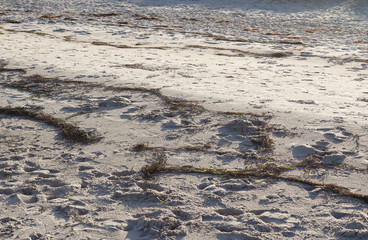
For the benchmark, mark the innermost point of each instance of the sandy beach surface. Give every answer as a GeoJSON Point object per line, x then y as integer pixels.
{"type": "Point", "coordinates": [183, 119]}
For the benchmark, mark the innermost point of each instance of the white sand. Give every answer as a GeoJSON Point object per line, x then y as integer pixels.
{"type": "Point", "coordinates": [300, 66]}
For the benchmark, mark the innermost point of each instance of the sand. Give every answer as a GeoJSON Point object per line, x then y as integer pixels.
{"type": "Point", "coordinates": [183, 119]}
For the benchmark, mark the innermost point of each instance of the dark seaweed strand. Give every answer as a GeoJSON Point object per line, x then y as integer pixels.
{"type": "Point", "coordinates": [68, 131]}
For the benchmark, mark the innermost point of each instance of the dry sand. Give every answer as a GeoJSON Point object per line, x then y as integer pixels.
{"type": "Point", "coordinates": [183, 119]}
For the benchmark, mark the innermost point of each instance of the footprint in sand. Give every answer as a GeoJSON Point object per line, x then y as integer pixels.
{"type": "Point", "coordinates": [333, 159]}
{"type": "Point", "coordinates": [337, 135]}
{"type": "Point", "coordinates": [302, 151]}
{"type": "Point", "coordinates": [321, 145]}
{"type": "Point", "coordinates": [114, 102]}
{"type": "Point", "coordinates": [16, 199]}
{"type": "Point", "coordinates": [333, 137]}
{"type": "Point", "coordinates": [229, 212]}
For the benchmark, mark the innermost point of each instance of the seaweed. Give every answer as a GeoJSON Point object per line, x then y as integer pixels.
{"type": "Point", "coordinates": [68, 131]}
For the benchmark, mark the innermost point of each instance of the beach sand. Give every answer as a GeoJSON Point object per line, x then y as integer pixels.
{"type": "Point", "coordinates": [183, 119]}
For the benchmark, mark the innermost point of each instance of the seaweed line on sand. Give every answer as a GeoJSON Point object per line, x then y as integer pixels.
{"type": "Point", "coordinates": [255, 54]}
{"type": "Point", "coordinates": [68, 131]}
{"type": "Point", "coordinates": [72, 132]}
{"type": "Point", "coordinates": [174, 103]}
{"type": "Point", "coordinates": [270, 171]}
{"type": "Point", "coordinates": [141, 147]}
